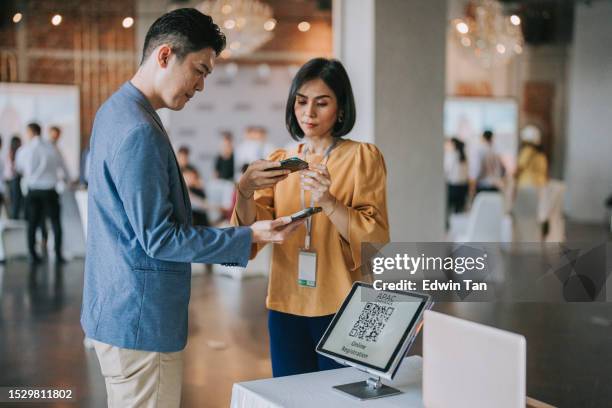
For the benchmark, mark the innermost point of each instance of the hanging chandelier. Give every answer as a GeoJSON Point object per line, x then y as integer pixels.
{"type": "Point", "coordinates": [487, 34]}
{"type": "Point", "coordinates": [247, 24]}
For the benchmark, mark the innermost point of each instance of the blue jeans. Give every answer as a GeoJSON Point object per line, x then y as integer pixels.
{"type": "Point", "coordinates": [293, 340]}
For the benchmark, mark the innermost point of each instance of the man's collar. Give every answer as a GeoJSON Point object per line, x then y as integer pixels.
{"type": "Point", "coordinates": [135, 93]}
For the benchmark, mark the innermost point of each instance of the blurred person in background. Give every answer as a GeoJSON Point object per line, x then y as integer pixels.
{"type": "Point", "coordinates": [55, 133]}
{"type": "Point", "coordinates": [183, 158]}
{"type": "Point", "coordinates": [532, 168]}
{"type": "Point", "coordinates": [253, 147]}
{"type": "Point", "coordinates": [197, 196]}
{"type": "Point", "coordinates": [40, 164]}
{"type": "Point", "coordinates": [224, 162]}
{"type": "Point", "coordinates": [13, 180]}
{"type": "Point", "coordinates": [486, 172]}
{"type": "Point", "coordinates": [3, 201]}
{"type": "Point", "coordinates": [532, 172]}
{"type": "Point", "coordinates": [456, 174]}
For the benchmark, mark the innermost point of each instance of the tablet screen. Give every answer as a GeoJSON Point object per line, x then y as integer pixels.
{"type": "Point", "coordinates": [372, 325]}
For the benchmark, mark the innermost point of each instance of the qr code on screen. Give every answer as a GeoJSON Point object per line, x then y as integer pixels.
{"type": "Point", "coordinates": [371, 322]}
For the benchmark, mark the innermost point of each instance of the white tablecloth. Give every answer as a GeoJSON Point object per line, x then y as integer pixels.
{"type": "Point", "coordinates": [315, 389]}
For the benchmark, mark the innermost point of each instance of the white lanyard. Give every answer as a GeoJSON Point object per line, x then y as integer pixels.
{"type": "Point", "coordinates": [302, 198]}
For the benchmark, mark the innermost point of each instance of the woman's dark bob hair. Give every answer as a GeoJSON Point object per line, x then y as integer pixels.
{"type": "Point", "coordinates": [335, 77]}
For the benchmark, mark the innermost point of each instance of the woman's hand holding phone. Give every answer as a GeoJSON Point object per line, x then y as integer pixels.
{"type": "Point", "coordinates": [259, 175]}
{"type": "Point", "coordinates": [318, 181]}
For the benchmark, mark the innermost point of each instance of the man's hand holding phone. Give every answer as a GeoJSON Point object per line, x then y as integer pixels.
{"type": "Point", "coordinates": [277, 230]}
{"type": "Point", "coordinates": [274, 231]}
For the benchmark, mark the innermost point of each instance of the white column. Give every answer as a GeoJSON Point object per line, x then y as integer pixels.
{"type": "Point", "coordinates": [353, 25]}
{"type": "Point", "coordinates": [394, 51]}
{"type": "Point", "coordinates": [589, 142]}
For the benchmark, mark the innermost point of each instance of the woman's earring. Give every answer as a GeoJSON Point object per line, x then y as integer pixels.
{"type": "Point", "coordinates": [340, 118]}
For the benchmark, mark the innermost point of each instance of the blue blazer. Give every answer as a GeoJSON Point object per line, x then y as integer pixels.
{"type": "Point", "coordinates": [140, 239]}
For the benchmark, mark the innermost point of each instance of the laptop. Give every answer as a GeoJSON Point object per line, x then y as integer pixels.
{"type": "Point", "coordinates": [466, 364]}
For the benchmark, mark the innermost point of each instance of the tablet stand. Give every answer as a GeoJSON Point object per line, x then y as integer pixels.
{"type": "Point", "coordinates": [369, 389]}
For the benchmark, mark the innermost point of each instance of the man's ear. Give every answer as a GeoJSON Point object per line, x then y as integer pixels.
{"type": "Point", "coordinates": [163, 55]}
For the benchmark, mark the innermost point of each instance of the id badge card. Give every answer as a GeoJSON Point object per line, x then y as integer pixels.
{"type": "Point", "coordinates": [307, 268]}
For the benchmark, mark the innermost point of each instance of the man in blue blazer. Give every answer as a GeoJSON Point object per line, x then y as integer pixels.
{"type": "Point", "coordinates": [141, 240]}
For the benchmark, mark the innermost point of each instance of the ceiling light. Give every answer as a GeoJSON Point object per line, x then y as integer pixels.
{"type": "Point", "coordinates": [56, 20]}
{"type": "Point", "coordinates": [487, 33]}
{"type": "Point", "coordinates": [242, 21]}
{"type": "Point", "coordinates": [127, 22]}
{"type": "Point", "coordinates": [270, 24]}
{"type": "Point", "coordinates": [304, 26]}
{"type": "Point", "coordinates": [462, 28]}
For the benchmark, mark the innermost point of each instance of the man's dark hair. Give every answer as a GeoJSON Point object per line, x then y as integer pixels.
{"type": "Point", "coordinates": [184, 150]}
{"type": "Point", "coordinates": [56, 129]}
{"type": "Point", "coordinates": [460, 148]}
{"type": "Point", "coordinates": [14, 145]}
{"type": "Point", "coordinates": [35, 128]}
{"type": "Point", "coordinates": [487, 135]}
{"type": "Point", "coordinates": [185, 30]}
{"type": "Point", "coordinates": [226, 134]}
{"type": "Point", "coordinates": [335, 77]}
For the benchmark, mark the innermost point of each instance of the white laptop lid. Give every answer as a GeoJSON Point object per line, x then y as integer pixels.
{"type": "Point", "coordinates": [466, 364]}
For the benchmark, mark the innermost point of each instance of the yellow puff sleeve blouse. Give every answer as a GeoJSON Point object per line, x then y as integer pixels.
{"type": "Point", "coordinates": [358, 180]}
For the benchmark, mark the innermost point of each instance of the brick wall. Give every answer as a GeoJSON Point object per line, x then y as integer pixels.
{"type": "Point", "coordinates": [90, 48]}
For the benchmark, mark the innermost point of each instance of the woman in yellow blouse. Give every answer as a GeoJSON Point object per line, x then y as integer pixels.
{"type": "Point", "coordinates": [532, 169]}
{"type": "Point", "coordinates": [348, 180]}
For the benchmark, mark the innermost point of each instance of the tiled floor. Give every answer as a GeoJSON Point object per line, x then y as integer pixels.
{"type": "Point", "coordinates": [569, 359]}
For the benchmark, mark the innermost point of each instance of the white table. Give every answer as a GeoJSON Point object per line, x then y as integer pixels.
{"type": "Point", "coordinates": [315, 389]}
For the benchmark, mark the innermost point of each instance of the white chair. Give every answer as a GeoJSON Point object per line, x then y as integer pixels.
{"type": "Point", "coordinates": [73, 225]}
{"type": "Point", "coordinates": [526, 227]}
{"type": "Point", "coordinates": [81, 199]}
{"type": "Point", "coordinates": [551, 210]}
{"type": "Point", "coordinates": [13, 234]}
{"type": "Point", "coordinates": [483, 223]}
{"type": "Point", "coordinates": [219, 193]}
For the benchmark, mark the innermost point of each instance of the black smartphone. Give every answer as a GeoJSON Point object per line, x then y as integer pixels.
{"type": "Point", "coordinates": [305, 213]}
{"type": "Point", "coordinates": [292, 163]}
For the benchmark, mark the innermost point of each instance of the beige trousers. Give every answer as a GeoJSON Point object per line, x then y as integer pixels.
{"type": "Point", "coordinates": [140, 379]}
